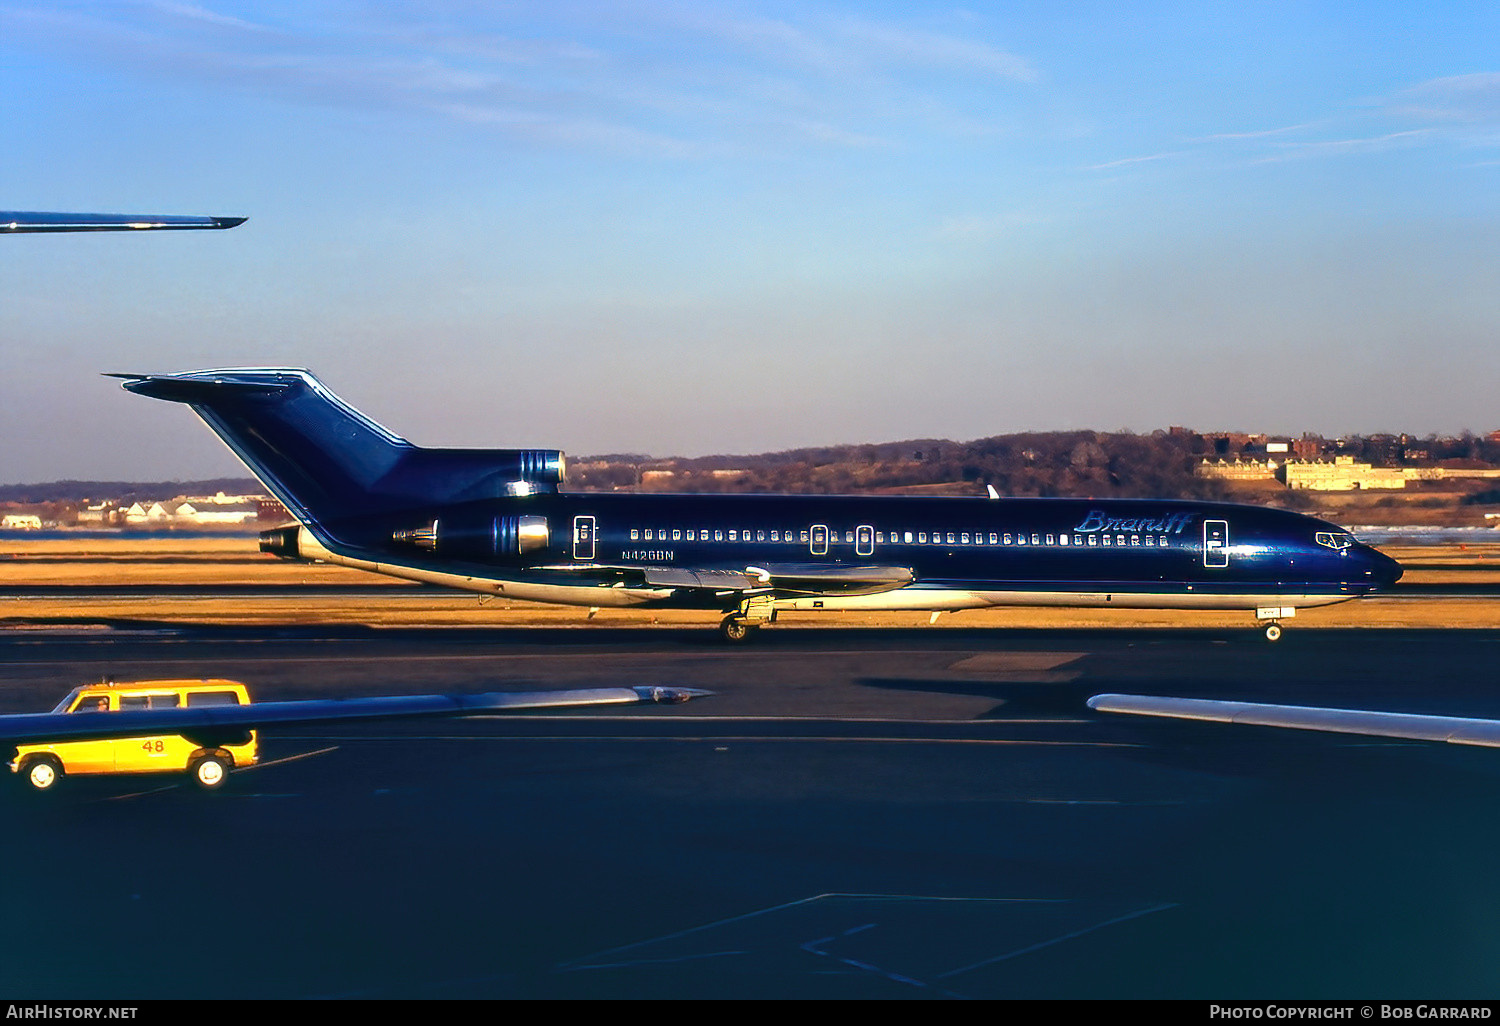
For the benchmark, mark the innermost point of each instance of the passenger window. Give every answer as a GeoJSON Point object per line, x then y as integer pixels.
{"type": "Point", "coordinates": [648, 534]}
{"type": "Point", "coordinates": [719, 535]}
{"type": "Point", "coordinates": [950, 538]}
{"type": "Point", "coordinates": [921, 537]}
{"type": "Point", "coordinates": [993, 539]}
{"type": "Point", "coordinates": [635, 534]}
{"type": "Point", "coordinates": [963, 539]}
{"type": "Point", "coordinates": [209, 698]}
{"type": "Point", "coordinates": [93, 703]}
{"type": "Point", "coordinates": [734, 536]}
{"type": "Point", "coordinates": [1051, 539]}
{"type": "Point", "coordinates": [676, 534]}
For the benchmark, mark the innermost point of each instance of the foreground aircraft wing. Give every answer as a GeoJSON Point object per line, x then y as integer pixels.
{"type": "Point", "coordinates": [228, 720]}
{"type": "Point", "coordinates": [15, 222]}
{"type": "Point", "coordinates": [1457, 730]}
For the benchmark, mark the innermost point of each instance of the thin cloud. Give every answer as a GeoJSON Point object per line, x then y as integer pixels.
{"type": "Point", "coordinates": [1136, 160]}
{"type": "Point", "coordinates": [1264, 133]}
{"type": "Point", "coordinates": [895, 44]}
{"type": "Point", "coordinates": [194, 12]}
{"type": "Point", "coordinates": [646, 79]}
{"type": "Point", "coordinates": [1330, 147]}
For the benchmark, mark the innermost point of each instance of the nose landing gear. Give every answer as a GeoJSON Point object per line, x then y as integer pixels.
{"type": "Point", "coordinates": [1268, 617]}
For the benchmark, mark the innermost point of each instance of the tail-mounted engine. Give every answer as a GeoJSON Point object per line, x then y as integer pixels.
{"type": "Point", "coordinates": [446, 476]}
{"type": "Point", "coordinates": [501, 537]}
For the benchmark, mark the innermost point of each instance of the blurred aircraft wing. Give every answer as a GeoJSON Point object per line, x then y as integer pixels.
{"type": "Point", "coordinates": [1457, 730]}
{"type": "Point", "coordinates": [226, 720]}
{"type": "Point", "coordinates": [16, 222]}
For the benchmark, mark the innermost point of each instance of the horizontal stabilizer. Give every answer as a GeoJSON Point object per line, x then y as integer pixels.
{"type": "Point", "coordinates": [16, 222]}
{"type": "Point", "coordinates": [1453, 729]}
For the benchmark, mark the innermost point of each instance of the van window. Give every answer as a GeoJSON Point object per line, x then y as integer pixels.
{"type": "Point", "coordinates": [203, 698]}
{"type": "Point", "coordinates": [138, 702]}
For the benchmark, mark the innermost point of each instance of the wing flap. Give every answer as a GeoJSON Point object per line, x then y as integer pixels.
{"type": "Point", "coordinates": [1452, 729]}
{"type": "Point", "coordinates": [835, 578]}
{"type": "Point", "coordinates": [777, 578]}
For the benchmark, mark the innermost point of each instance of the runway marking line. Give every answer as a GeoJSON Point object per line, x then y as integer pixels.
{"type": "Point", "coordinates": [608, 959]}
{"type": "Point", "coordinates": [1058, 940]}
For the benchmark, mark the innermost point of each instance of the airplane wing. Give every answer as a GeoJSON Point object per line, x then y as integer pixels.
{"type": "Point", "coordinates": [217, 723]}
{"type": "Point", "coordinates": [777, 579]}
{"type": "Point", "coordinates": [16, 222]}
{"type": "Point", "coordinates": [1457, 730]}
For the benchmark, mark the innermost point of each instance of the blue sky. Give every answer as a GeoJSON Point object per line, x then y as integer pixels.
{"type": "Point", "coordinates": [737, 227]}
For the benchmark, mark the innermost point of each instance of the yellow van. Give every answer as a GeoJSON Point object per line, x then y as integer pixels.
{"type": "Point", "coordinates": [42, 765]}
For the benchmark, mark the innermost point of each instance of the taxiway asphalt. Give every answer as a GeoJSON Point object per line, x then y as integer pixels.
{"type": "Point", "coordinates": [853, 813]}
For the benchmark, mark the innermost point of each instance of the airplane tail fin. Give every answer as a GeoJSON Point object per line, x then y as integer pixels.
{"type": "Point", "coordinates": [326, 461]}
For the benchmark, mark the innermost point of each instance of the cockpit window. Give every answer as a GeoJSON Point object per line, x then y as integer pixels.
{"type": "Point", "coordinates": [1337, 540]}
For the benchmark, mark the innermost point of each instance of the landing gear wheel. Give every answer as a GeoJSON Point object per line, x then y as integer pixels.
{"type": "Point", "coordinates": [1273, 632]}
{"type": "Point", "coordinates": [209, 772]}
{"type": "Point", "coordinates": [736, 630]}
{"type": "Point", "coordinates": [43, 772]}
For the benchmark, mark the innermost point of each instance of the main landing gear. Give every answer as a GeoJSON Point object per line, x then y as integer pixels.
{"type": "Point", "coordinates": [736, 629]}
{"type": "Point", "coordinates": [740, 626]}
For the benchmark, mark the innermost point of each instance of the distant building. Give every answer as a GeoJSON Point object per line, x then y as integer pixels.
{"type": "Point", "coordinates": [20, 522]}
{"type": "Point", "coordinates": [1236, 470]}
{"type": "Point", "coordinates": [189, 515]}
{"type": "Point", "coordinates": [1342, 474]}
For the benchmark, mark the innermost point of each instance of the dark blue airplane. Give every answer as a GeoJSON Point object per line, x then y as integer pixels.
{"type": "Point", "coordinates": [494, 521]}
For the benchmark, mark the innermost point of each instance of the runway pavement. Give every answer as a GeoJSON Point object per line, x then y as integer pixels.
{"type": "Point", "coordinates": [853, 813]}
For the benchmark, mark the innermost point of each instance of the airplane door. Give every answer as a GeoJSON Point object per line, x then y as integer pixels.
{"type": "Point", "coordinates": [818, 545]}
{"type": "Point", "coordinates": [1215, 543]}
{"type": "Point", "coordinates": [864, 541]}
{"type": "Point", "coordinates": [583, 537]}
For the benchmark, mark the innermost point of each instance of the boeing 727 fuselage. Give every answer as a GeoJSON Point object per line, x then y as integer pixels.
{"type": "Point", "coordinates": [496, 522]}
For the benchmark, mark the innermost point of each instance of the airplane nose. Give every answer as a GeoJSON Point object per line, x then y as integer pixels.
{"type": "Point", "coordinates": [1384, 570]}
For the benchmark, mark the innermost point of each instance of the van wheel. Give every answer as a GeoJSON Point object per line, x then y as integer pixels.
{"type": "Point", "coordinates": [209, 772]}
{"type": "Point", "coordinates": [43, 772]}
